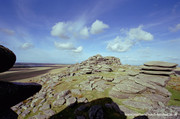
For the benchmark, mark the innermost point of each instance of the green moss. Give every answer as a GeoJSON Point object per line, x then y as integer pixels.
{"type": "Point", "coordinates": [175, 97]}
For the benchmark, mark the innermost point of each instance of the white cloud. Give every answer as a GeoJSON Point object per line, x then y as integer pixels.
{"type": "Point", "coordinates": [139, 34]}
{"type": "Point", "coordinates": [98, 27]}
{"type": "Point", "coordinates": [78, 49]}
{"type": "Point", "coordinates": [77, 29]}
{"type": "Point", "coordinates": [7, 31]}
{"type": "Point", "coordinates": [119, 45]}
{"type": "Point", "coordinates": [134, 35]}
{"type": "Point", "coordinates": [84, 33]}
{"type": "Point", "coordinates": [25, 46]}
{"type": "Point", "coordinates": [64, 46]}
{"type": "Point", "coordinates": [174, 29]}
{"type": "Point", "coordinates": [68, 46]}
{"type": "Point", "coordinates": [60, 30]}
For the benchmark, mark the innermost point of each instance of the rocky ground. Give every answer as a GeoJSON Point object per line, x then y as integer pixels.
{"type": "Point", "coordinates": [75, 91]}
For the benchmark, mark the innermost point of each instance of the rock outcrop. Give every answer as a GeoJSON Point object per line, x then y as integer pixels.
{"type": "Point", "coordinates": [72, 90]}
{"type": "Point", "coordinates": [144, 90]}
{"type": "Point", "coordinates": [95, 64]}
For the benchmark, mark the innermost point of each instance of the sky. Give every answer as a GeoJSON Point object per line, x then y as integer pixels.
{"type": "Point", "coordinates": [70, 31]}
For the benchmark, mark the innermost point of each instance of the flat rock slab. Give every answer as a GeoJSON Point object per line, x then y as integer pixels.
{"type": "Point", "coordinates": [156, 68]}
{"type": "Point", "coordinates": [145, 83]}
{"type": "Point", "coordinates": [129, 86]}
{"type": "Point", "coordinates": [119, 95]}
{"type": "Point", "coordinates": [127, 111]}
{"type": "Point", "coordinates": [160, 64]}
{"type": "Point", "coordinates": [139, 105]}
{"type": "Point", "coordinates": [162, 91]}
{"type": "Point", "coordinates": [118, 79]}
{"type": "Point", "coordinates": [156, 97]}
{"type": "Point", "coordinates": [159, 80]}
{"type": "Point", "coordinates": [164, 73]}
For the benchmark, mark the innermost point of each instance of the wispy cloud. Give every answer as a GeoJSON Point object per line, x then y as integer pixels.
{"type": "Point", "coordinates": [64, 46]}
{"type": "Point", "coordinates": [175, 29]}
{"type": "Point", "coordinates": [26, 46]}
{"type": "Point", "coordinates": [7, 31]}
{"type": "Point", "coordinates": [132, 36]}
{"type": "Point", "coordinates": [176, 6]}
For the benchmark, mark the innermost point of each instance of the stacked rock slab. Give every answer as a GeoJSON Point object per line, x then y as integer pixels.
{"type": "Point", "coordinates": [158, 68]}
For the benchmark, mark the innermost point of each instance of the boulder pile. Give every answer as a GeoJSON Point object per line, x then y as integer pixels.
{"type": "Point", "coordinates": [158, 68]}
{"type": "Point", "coordinates": [94, 64]}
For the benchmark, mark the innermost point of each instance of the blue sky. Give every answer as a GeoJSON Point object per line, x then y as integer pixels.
{"type": "Point", "coordinates": [70, 31]}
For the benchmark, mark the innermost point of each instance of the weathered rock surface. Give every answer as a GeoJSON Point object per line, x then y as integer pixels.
{"type": "Point", "coordinates": [159, 80]}
{"type": "Point", "coordinates": [59, 102]}
{"type": "Point", "coordinates": [129, 86]}
{"type": "Point", "coordinates": [160, 64]}
{"type": "Point", "coordinates": [157, 72]}
{"type": "Point", "coordinates": [138, 104]}
{"type": "Point", "coordinates": [71, 101]}
{"type": "Point", "coordinates": [169, 112]}
{"type": "Point", "coordinates": [156, 68]}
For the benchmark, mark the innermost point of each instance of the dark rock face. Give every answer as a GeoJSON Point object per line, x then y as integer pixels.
{"type": "Point", "coordinates": [96, 112]}
{"type": "Point", "coordinates": [8, 58]}
{"type": "Point", "coordinates": [8, 114]}
{"type": "Point", "coordinates": [141, 117]}
{"type": "Point", "coordinates": [13, 93]}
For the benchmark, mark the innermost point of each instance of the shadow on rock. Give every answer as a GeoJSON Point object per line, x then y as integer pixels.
{"type": "Point", "coordinates": [103, 108]}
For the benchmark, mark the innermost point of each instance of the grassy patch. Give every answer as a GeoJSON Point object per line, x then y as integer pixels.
{"type": "Point", "coordinates": [175, 97]}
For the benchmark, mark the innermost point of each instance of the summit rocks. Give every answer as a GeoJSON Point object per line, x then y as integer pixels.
{"type": "Point", "coordinates": [95, 64]}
